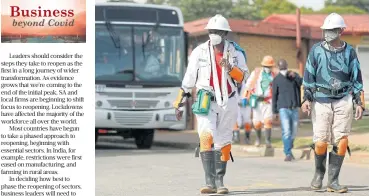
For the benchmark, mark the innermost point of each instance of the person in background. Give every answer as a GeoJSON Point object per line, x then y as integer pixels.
{"type": "Point", "coordinates": [259, 93]}
{"type": "Point", "coordinates": [333, 86]}
{"type": "Point", "coordinates": [151, 66]}
{"type": "Point", "coordinates": [286, 102]}
{"type": "Point", "coordinates": [214, 69]}
{"type": "Point", "coordinates": [244, 117]}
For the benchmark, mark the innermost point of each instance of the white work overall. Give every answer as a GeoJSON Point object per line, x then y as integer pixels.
{"type": "Point", "coordinates": [244, 113]}
{"type": "Point", "coordinates": [263, 111]}
{"type": "Point", "coordinates": [223, 112]}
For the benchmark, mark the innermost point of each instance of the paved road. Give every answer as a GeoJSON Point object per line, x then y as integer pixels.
{"type": "Point", "coordinates": [122, 170]}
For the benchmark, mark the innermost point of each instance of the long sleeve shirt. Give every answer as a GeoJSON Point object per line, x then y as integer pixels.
{"type": "Point", "coordinates": [286, 92]}
{"type": "Point", "coordinates": [200, 68]}
{"type": "Point", "coordinates": [254, 83]}
{"type": "Point", "coordinates": [332, 70]}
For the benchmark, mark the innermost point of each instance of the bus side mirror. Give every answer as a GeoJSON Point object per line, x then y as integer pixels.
{"type": "Point", "coordinates": [186, 48]}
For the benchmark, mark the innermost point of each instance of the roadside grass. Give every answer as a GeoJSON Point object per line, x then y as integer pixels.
{"type": "Point", "coordinates": [306, 142]}
{"type": "Point", "coordinates": [361, 148]}
{"type": "Point", "coordinates": [358, 127]}
{"type": "Point", "coordinates": [301, 142]}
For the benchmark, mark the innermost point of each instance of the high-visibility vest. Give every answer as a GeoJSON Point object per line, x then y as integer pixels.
{"type": "Point", "coordinates": [251, 90]}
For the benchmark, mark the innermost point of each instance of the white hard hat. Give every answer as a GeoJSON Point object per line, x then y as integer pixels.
{"type": "Point", "coordinates": [218, 22]}
{"type": "Point", "coordinates": [333, 21]}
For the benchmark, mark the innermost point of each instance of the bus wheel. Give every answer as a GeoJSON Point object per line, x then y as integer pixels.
{"type": "Point", "coordinates": [144, 138]}
{"type": "Point", "coordinates": [96, 135]}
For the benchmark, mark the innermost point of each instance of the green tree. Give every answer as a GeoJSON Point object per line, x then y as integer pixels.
{"type": "Point", "coordinates": [304, 10]}
{"type": "Point", "coordinates": [129, 1]}
{"type": "Point", "coordinates": [157, 1]}
{"type": "Point", "coordinates": [361, 4]}
{"type": "Point", "coordinates": [196, 9]}
{"type": "Point", "coordinates": [245, 9]}
{"type": "Point", "coordinates": [259, 9]}
{"type": "Point", "coordinates": [255, 9]}
{"type": "Point", "coordinates": [341, 10]}
{"type": "Point", "coordinates": [277, 7]}
{"type": "Point", "coordinates": [240, 9]}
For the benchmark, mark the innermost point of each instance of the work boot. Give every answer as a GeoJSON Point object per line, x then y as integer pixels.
{"type": "Point", "coordinates": [288, 158]}
{"type": "Point", "coordinates": [268, 135]}
{"type": "Point", "coordinates": [320, 161]}
{"type": "Point", "coordinates": [236, 137]}
{"type": "Point", "coordinates": [220, 171]}
{"type": "Point", "coordinates": [247, 138]}
{"type": "Point", "coordinates": [335, 163]}
{"type": "Point", "coordinates": [258, 137]}
{"type": "Point", "coordinates": [208, 163]}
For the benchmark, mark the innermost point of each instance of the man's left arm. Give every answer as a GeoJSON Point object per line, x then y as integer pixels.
{"type": "Point", "coordinates": [239, 70]}
{"type": "Point", "coordinates": [298, 79]}
{"type": "Point", "coordinates": [357, 80]}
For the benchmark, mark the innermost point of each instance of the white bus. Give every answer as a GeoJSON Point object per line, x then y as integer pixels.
{"type": "Point", "coordinates": [140, 56]}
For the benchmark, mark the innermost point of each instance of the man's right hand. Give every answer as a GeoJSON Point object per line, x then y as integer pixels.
{"type": "Point", "coordinates": [306, 107]}
{"type": "Point", "coordinates": [358, 112]}
{"type": "Point", "coordinates": [179, 114]}
{"type": "Point", "coordinates": [291, 74]}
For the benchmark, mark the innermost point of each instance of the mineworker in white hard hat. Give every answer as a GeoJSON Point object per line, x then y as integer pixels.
{"type": "Point", "coordinates": [215, 69]}
{"type": "Point", "coordinates": [333, 86]}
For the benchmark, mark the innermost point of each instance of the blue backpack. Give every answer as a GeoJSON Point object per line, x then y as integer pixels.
{"type": "Point", "coordinates": [238, 48]}
{"type": "Point", "coordinates": [244, 102]}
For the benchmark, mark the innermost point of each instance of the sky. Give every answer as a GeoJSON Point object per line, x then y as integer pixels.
{"type": "Point", "coordinates": [315, 4]}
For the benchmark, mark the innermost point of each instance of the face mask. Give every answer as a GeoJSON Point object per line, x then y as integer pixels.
{"type": "Point", "coordinates": [283, 72]}
{"type": "Point", "coordinates": [330, 35]}
{"type": "Point", "coordinates": [215, 39]}
{"type": "Point", "coordinates": [266, 69]}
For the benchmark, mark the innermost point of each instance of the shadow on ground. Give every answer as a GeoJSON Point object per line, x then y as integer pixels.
{"type": "Point", "coordinates": [286, 190]}
{"type": "Point", "coordinates": [112, 147]}
{"type": "Point", "coordinates": [119, 147]}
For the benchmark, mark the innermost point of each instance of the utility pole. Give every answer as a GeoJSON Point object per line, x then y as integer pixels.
{"type": "Point", "coordinates": [298, 42]}
{"type": "Point", "coordinates": [299, 55]}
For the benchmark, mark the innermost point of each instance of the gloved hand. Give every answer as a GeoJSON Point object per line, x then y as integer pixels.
{"type": "Point", "coordinates": [308, 95]}
{"type": "Point", "coordinates": [357, 99]}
